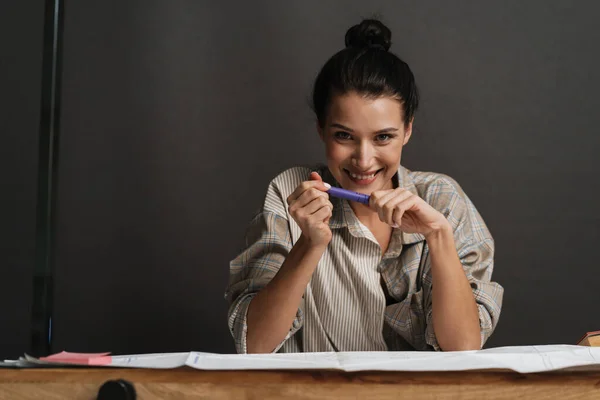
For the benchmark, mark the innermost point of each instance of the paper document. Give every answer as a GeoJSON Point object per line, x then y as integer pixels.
{"type": "Point", "coordinates": [156, 361]}
{"type": "Point", "coordinates": [523, 359]}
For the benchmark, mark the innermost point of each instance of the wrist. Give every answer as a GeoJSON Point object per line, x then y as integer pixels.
{"type": "Point", "coordinates": [308, 245]}
{"type": "Point", "coordinates": [443, 232]}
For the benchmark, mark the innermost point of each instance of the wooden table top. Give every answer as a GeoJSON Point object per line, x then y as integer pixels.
{"type": "Point", "coordinates": [188, 383]}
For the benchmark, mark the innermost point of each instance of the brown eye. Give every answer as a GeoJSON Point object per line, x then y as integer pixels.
{"type": "Point", "coordinates": [341, 135]}
{"type": "Point", "coordinates": [384, 137]}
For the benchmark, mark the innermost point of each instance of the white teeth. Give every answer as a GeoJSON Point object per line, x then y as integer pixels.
{"type": "Point", "coordinates": [361, 177]}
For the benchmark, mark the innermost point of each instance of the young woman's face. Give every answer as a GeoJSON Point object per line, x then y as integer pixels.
{"type": "Point", "coordinates": [363, 141]}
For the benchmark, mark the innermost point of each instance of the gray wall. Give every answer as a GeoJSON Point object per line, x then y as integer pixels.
{"type": "Point", "coordinates": [176, 114]}
{"type": "Point", "coordinates": [21, 34]}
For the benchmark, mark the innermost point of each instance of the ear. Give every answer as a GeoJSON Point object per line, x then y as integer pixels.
{"type": "Point", "coordinates": [408, 132]}
{"type": "Point", "coordinates": [320, 130]}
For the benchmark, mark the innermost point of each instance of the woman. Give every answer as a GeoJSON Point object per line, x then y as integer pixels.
{"type": "Point", "coordinates": [410, 270]}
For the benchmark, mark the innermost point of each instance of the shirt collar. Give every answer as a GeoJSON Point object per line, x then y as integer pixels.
{"type": "Point", "coordinates": [343, 216]}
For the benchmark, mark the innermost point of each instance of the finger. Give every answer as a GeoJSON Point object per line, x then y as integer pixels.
{"type": "Point", "coordinates": [386, 213]}
{"type": "Point", "coordinates": [401, 208]}
{"type": "Point", "coordinates": [323, 214]}
{"type": "Point", "coordinates": [376, 197]}
{"type": "Point", "coordinates": [316, 204]}
{"type": "Point", "coordinates": [315, 177]}
{"type": "Point", "coordinates": [300, 189]}
{"type": "Point", "coordinates": [382, 202]}
{"type": "Point", "coordinates": [308, 196]}
{"type": "Point", "coordinates": [306, 185]}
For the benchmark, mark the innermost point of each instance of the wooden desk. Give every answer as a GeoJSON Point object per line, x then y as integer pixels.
{"type": "Point", "coordinates": [186, 383]}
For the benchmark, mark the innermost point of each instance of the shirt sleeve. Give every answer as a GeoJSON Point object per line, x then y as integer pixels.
{"type": "Point", "coordinates": [475, 248]}
{"type": "Point", "coordinates": [412, 317]}
{"type": "Point", "coordinates": [268, 242]}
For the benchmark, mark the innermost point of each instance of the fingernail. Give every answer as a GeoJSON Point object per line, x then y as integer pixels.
{"type": "Point", "coordinates": [327, 185]}
{"type": "Point", "coordinates": [395, 226]}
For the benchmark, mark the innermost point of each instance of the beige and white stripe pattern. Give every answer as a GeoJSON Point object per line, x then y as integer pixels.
{"type": "Point", "coordinates": [357, 299]}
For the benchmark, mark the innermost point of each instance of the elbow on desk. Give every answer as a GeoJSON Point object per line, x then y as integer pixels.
{"type": "Point", "coordinates": [464, 346]}
{"type": "Point", "coordinates": [251, 350]}
{"type": "Point", "coordinates": [258, 348]}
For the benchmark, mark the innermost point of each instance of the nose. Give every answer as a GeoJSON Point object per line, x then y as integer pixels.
{"type": "Point", "coordinates": [362, 158]}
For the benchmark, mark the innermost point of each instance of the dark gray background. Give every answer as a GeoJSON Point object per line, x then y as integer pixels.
{"type": "Point", "coordinates": [21, 43]}
{"type": "Point", "coordinates": [176, 114]}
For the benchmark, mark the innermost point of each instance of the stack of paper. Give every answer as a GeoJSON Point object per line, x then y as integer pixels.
{"type": "Point", "coordinates": [523, 359]}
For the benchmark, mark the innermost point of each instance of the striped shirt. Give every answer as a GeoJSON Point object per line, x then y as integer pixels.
{"type": "Point", "coordinates": [357, 299]}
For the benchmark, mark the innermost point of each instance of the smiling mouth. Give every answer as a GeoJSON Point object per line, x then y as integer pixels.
{"type": "Point", "coordinates": [362, 178]}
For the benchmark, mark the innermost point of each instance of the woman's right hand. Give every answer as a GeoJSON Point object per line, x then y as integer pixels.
{"type": "Point", "coordinates": [310, 207]}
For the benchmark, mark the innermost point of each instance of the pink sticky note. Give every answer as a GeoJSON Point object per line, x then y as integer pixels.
{"type": "Point", "coordinates": [79, 358]}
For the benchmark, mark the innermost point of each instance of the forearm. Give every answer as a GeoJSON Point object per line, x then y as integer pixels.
{"type": "Point", "coordinates": [455, 314]}
{"type": "Point", "coordinates": [273, 310]}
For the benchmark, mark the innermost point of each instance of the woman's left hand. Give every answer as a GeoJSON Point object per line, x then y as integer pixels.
{"type": "Point", "coordinates": [402, 209]}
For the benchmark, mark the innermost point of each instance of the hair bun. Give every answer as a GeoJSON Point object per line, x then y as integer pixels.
{"type": "Point", "coordinates": [369, 33]}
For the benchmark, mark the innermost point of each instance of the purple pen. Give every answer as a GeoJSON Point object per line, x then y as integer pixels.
{"type": "Point", "coordinates": [349, 195]}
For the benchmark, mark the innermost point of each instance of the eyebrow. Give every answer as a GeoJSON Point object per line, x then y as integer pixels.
{"type": "Point", "coordinates": [386, 130]}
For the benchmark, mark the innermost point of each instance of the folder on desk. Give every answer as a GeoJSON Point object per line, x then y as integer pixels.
{"type": "Point", "coordinates": [590, 339]}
